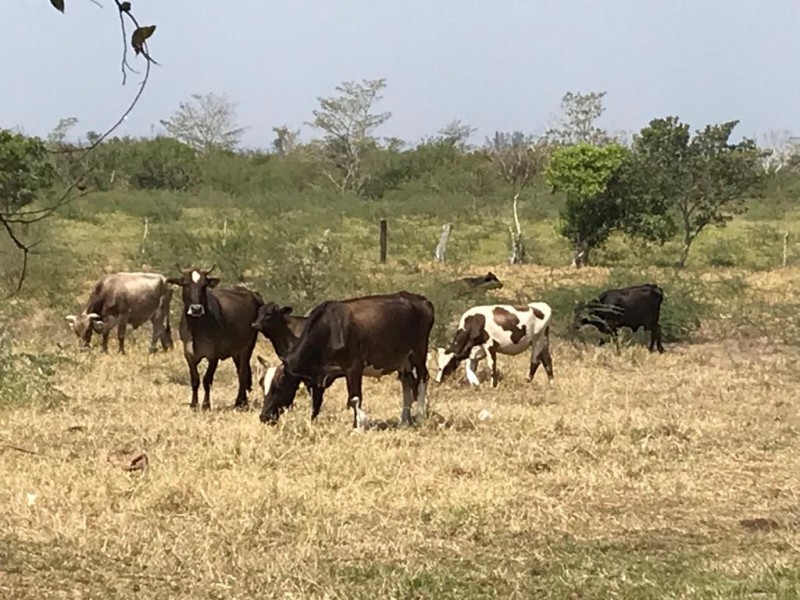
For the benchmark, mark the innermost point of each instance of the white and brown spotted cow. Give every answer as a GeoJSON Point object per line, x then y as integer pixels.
{"type": "Point", "coordinates": [485, 331]}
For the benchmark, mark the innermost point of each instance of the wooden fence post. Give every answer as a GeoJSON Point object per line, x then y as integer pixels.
{"type": "Point", "coordinates": [383, 241]}
{"type": "Point", "coordinates": [440, 254]}
{"type": "Point", "coordinates": [785, 244]}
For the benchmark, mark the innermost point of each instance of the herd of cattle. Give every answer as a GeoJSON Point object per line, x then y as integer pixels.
{"type": "Point", "coordinates": [368, 336]}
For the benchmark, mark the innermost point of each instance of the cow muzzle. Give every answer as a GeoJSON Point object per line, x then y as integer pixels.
{"type": "Point", "coordinates": [196, 310]}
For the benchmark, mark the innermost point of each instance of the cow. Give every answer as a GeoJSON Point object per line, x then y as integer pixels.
{"type": "Point", "coordinates": [633, 307]}
{"type": "Point", "coordinates": [216, 325]}
{"type": "Point", "coordinates": [482, 282]}
{"type": "Point", "coordinates": [367, 336]}
{"type": "Point", "coordinates": [122, 299]}
{"type": "Point", "coordinates": [282, 329]}
{"type": "Point", "coordinates": [486, 331]}
{"type": "Point", "coordinates": [279, 326]}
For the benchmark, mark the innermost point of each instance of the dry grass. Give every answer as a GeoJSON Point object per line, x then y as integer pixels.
{"type": "Point", "coordinates": [635, 476]}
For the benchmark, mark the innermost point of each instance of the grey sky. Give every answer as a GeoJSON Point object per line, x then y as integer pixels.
{"type": "Point", "coordinates": [495, 65]}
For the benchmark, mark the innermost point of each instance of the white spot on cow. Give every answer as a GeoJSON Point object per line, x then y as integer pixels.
{"type": "Point", "coordinates": [268, 377]}
{"type": "Point", "coordinates": [195, 276]}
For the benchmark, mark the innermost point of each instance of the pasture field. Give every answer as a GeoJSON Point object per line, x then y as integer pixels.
{"type": "Point", "coordinates": [634, 476]}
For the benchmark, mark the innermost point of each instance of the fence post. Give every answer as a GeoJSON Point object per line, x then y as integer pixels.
{"type": "Point", "coordinates": [383, 241]}
{"type": "Point", "coordinates": [144, 235]}
{"type": "Point", "coordinates": [440, 253]}
{"type": "Point", "coordinates": [785, 245]}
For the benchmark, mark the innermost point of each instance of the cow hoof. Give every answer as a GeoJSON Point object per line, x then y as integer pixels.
{"type": "Point", "coordinates": [206, 407]}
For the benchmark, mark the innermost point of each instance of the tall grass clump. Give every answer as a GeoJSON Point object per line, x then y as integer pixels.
{"type": "Point", "coordinates": [27, 378]}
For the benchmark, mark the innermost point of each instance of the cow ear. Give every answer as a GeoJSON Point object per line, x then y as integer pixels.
{"type": "Point", "coordinates": [286, 310]}
{"type": "Point", "coordinates": [213, 282]}
{"type": "Point", "coordinates": [262, 361]}
{"type": "Point", "coordinates": [175, 280]}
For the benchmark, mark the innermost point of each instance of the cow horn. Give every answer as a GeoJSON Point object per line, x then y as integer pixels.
{"type": "Point", "coordinates": [214, 266]}
{"type": "Point", "coordinates": [94, 316]}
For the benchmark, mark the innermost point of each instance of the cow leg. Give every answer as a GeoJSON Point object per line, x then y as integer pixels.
{"type": "Point", "coordinates": [491, 358]}
{"type": "Point", "coordinates": [655, 338]}
{"type": "Point", "coordinates": [245, 375]}
{"type": "Point", "coordinates": [615, 337]}
{"type": "Point", "coordinates": [477, 354]}
{"type": "Point", "coordinates": [157, 333]}
{"type": "Point", "coordinates": [408, 382]}
{"type": "Point", "coordinates": [317, 394]}
{"type": "Point", "coordinates": [419, 382]}
{"type": "Point", "coordinates": [547, 361]}
{"type": "Point", "coordinates": [122, 325]}
{"type": "Point", "coordinates": [208, 381]}
{"type": "Point", "coordinates": [354, 377]}
{"type": "Point", "coordinates": [194, 376]}
{"type": "Point", "coordinates": [104, 344]}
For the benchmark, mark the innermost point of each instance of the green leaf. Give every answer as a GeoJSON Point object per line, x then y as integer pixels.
{"type": "Point", "coordinates": [140, 36]}
{"type": "Point", "coordinates": [58, 5]}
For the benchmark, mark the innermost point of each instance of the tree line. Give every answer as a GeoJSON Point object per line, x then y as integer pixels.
{"type": "Point", "coordinates": [666, 181]}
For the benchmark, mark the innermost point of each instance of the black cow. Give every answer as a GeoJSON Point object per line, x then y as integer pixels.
{"type": "Point", "coordinates": [216, 325]}
{"type": "Point", "coordinates": [370, 335]}
{"type": "Point", "coordinates": [483, 282]}
{"type": "Point", "coordinates": [633, 307]}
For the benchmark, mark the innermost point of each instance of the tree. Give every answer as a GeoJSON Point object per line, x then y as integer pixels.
{"type": "Point", "coordinates": [577, 124]}
{"type": "Point", "coordinates": [14, 219]}
{"type": "Point", "coordinates": [588, 176]}
{"type": "Point", "coordinates": [205, 123]}
{"type": "Point", "coordinates": [348, 121]}
{"type": "Point", "coordinates": [456, 134]}
{"type": "Point", "coordinates": [680, 183]}
{"type": "Point", "coordinates": [517, 158]}
{"type": "Point", "coordinates": [285, 140]}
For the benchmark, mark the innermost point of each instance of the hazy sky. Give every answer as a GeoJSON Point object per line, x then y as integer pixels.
{"type": "Point", "coordinates": [495, 65]}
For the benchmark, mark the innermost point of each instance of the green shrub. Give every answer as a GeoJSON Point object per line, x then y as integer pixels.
{"type": "Point", "coordinates": [28, 378]}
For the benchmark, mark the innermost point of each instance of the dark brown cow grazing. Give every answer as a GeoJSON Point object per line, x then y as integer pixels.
{"type": "Point", "coordinates": [282, 329]}
{"type": "Point", "coordinates": [215, 325]}
{"type": "Point", "coordinates": [372, 336]}
{"type": "Point", "coordinates": [122, 299]}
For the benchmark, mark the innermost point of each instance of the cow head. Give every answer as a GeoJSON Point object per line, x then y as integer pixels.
{"type": "Point", "coordinates": [279, 389]}
{"type": "Point", "coordinates": [269, 315]}
{"type": "Point", "coordinates": [84, 323]}
{"type": "Point", "coordinates": [579, 316]}
{"type": "Point", "coordinates": [471, 333]}
{"type": "Point", "coordinates": [492, 282]}
{"type": "Point", "coordinates": [446, 364]}
{"type": "Point", "coordinates": [195, 284]}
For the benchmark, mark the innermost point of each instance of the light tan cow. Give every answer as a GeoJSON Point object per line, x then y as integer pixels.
{"type": "Point", "coordinates": [122, 299]}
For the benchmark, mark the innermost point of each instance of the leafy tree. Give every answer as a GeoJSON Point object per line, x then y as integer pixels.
{"type": "Point", "coordinates": [205, 123]}
{"type": "Point", "coordinates": [577, 125]}
{"type": "Point", "coordinates": [517, 158]}
{"type": "Point", "coordinates": [25, 170]}
{"type": "Point", "coordinates": [588, 176]}
{"type": "Point", "coordinates": [679, 183]}
{"type": "Point", "coordinates": [348, 122]}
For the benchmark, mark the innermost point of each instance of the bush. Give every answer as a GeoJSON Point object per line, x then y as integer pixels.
{"type": "Point", "coordinates": [27, 378]}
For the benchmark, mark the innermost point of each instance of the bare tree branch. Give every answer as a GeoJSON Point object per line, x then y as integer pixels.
{"type": "Point", "coordinates": [11, 218]}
